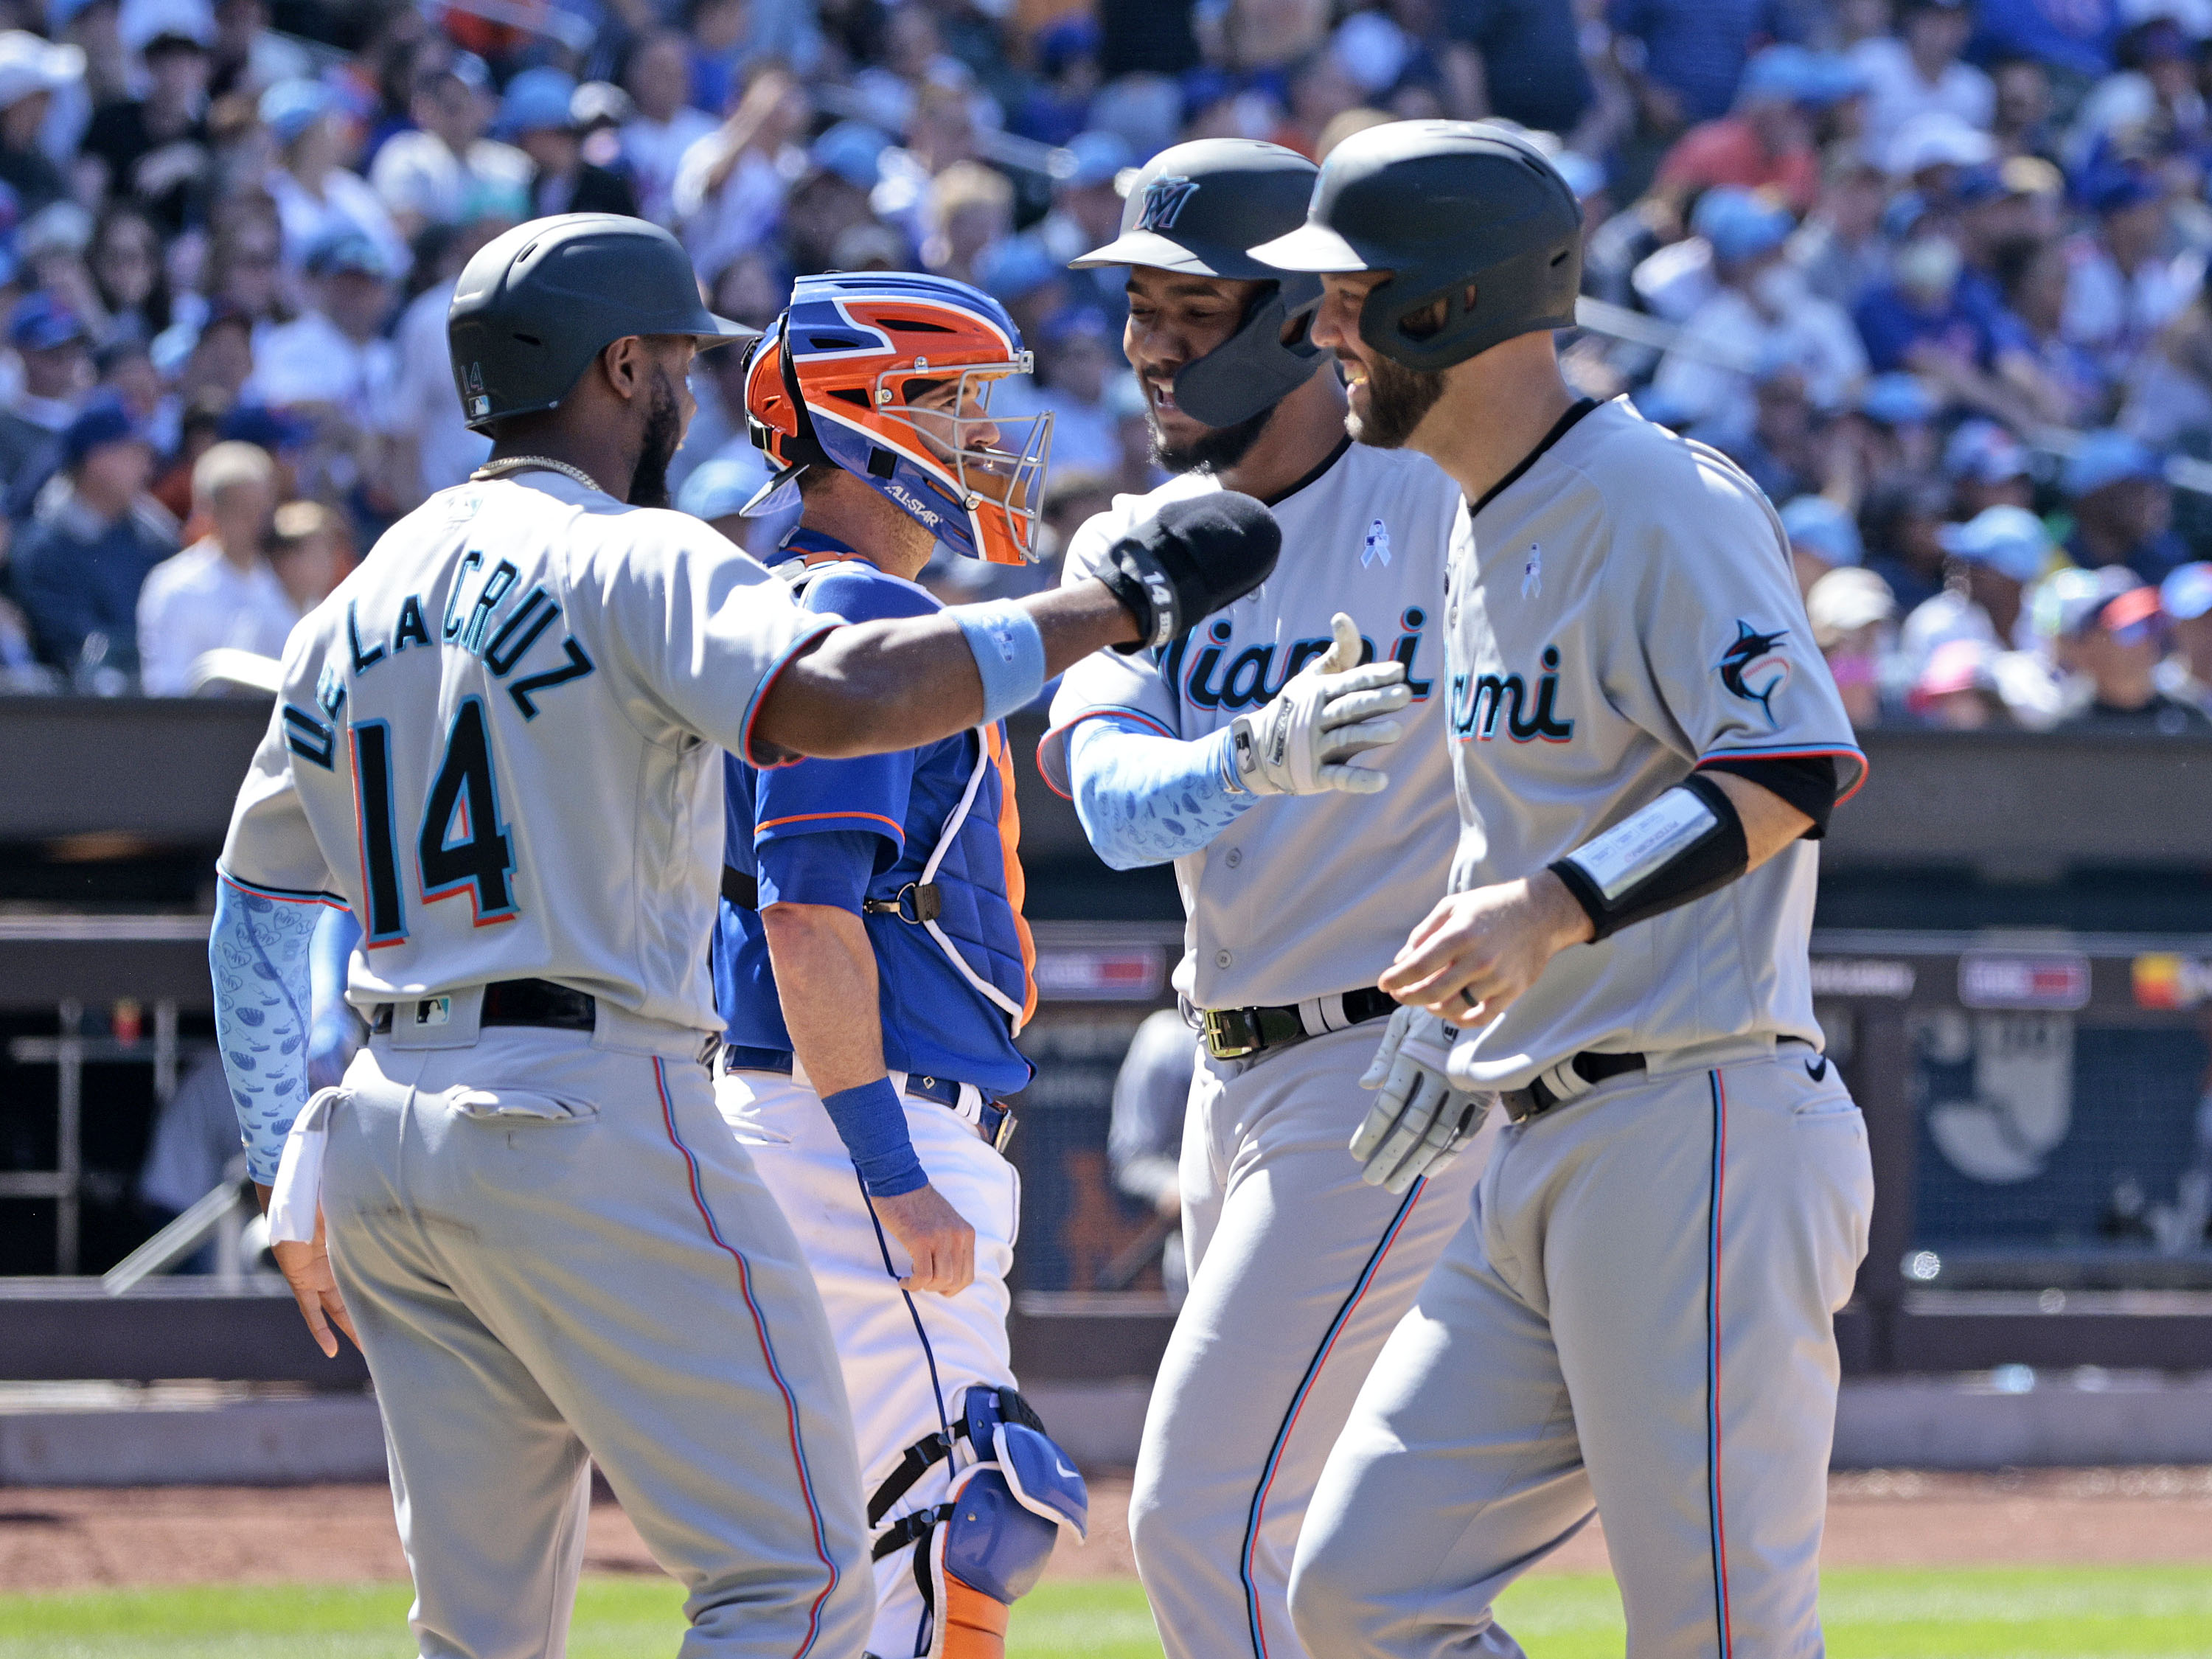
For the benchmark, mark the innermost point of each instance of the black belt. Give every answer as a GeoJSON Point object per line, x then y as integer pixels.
{"type": "Point", "coordinates": [1240, 1033]}
{"type": "Point", "coordinates": [1521, 1104]}
{"type": "Point", "coordinates": [996, 1121]}
{"type": "Point", "coordinates": [507, 1002]}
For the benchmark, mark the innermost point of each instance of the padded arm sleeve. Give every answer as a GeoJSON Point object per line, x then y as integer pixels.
{"type": "Point", "coordinates": [258, 953]}
{"type": "Point", "coordinates": [1687, 843]}
{"type": "Point", "coordinates": [1145, 798]}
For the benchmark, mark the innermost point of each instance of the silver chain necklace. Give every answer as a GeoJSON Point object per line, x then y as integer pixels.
{"type": "Point", "coordinates": [507, 464]}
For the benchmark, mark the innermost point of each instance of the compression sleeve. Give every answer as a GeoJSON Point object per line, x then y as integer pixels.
{"type": "Point", "coordinates": [1145, 798]}
{"type": "Point", "coordinates": [257, 952]}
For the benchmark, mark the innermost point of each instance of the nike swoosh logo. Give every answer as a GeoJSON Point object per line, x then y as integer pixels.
{"type": "Point", "coordinates": [1817, 1069]}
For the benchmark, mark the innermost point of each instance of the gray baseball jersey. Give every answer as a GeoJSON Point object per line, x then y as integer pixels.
{"type": "Point", "coordinates": [1620, 610]}
{"type": "Point", "coordinates": [1304, 895]}
{"type": "Point", "coordinates": [525, 641]}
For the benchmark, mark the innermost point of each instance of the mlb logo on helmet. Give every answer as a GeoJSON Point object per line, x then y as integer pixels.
{"type": "Point", "coordinates": [1165, 200]}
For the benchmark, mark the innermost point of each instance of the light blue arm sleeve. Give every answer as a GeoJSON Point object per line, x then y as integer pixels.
{"type": "Point", "coordinates": [337, 1031]}
{"type": "Point", "coordinates": [258, 953]}
{"type": "Point", "coordinates": [1145, 798]}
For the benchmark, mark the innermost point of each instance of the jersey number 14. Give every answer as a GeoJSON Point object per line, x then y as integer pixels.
{"type": "Point", "coordinates": [461, 845]}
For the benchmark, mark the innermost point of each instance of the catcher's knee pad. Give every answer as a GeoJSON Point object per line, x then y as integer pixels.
{"type": "Point", "coordinates": [986, 1545]}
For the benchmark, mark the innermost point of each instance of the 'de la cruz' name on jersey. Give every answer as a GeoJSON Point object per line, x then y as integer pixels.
{"type": "Point", "coordinates": [522, 641]}
{"type": "Point", "coordinates": [1304, 895]}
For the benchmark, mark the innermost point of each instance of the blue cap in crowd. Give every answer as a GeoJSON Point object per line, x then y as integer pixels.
{"type": "Point", "coordinates": [1096, 158]}
{"type": "Point", "coordinates": [852, 150]}
{"type": "Point", "coordinates": [1585, 176]}
{"type": "Point", "coordinates": [41, 322]}
{"type": "Point", "coordinates": [537, 99]}
{"type": "Point", "coordinates": [346, 251]}
{"type": "Point", "coordinates": [1795, 74]}
{"type": "Point", "coordinates": [1739, 223]}
{"type": "Point", "coordinates": [1984, 452]}
{"type": "Point", "coordinates": [1825, 528]}
{"type": "Point", "coordinates": [2010, 540]}
{"type": "Point", "coordinates": [290, 107]}
{"type": "Point", "coordinates": [272, 429]}
{"type": "Point", "coordinates": [718, 489]}
{"type": "Point", "coordinates": [2107, 457]}
{"type": "Point", "coordinates": [2119, 190]}
{"type": "Point", "coordinates": [1898, 399]}
{"type": "Point", "coordinates": [1013, 268]}
{"type": "Point", "coordinates": [2186, 593]}
{"type": "Point", "coordinates": [104, 421]}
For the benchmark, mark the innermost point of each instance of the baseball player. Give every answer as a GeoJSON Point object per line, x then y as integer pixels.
{"type": "Point", "coordinates": [1637, 1317]}
{"type": "Point", "coordinates": [872, 966]}
{"type": "Point", "coordinates": [1233, 751]}
{"type": "Point", "coordinates": [496, 745]}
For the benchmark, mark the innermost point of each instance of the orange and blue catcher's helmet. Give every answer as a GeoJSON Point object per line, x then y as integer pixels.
{"type": "Point", "coordinates": [888, 376]}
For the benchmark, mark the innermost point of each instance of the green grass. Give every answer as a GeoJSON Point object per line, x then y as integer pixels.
{"type": "Point", "coordinates": [1983, 1613]}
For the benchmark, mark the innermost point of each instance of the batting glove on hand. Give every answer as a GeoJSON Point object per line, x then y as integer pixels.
{"type": "Point", "coordinates": [1192, 557]}
{"type": "Point", "coordinates": [1331, 710]}
{"type": "Point", "coordinates": [1422, 1118]}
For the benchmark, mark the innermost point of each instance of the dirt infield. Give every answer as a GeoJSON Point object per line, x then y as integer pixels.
{"type": "Point", "coordinates": [77, 1538]}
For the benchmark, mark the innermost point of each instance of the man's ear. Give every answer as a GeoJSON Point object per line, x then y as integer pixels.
{"type": "Point", "coordinates": [623, 364]}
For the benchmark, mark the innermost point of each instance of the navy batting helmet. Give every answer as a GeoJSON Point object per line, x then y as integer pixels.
{"type": "Point", "coordinates": [1196, 208]}
{"type": "Point", "coordinates": [537, 304]}
{"type": "Point", "coordinates": [1446, 206]}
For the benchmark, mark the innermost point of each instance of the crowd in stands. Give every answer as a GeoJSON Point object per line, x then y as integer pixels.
{"type": "Point", "coordinates": [1932, 271]}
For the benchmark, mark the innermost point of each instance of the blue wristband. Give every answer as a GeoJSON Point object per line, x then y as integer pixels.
{"type": "Point", "coordinates": [870, 1121]}
{"type": "Point", "coordinates": [1009, 654]}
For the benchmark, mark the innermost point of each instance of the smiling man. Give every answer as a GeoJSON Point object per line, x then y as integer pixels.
{"type": "Point", "coordinates": [1229, 753]}
{"type": "Point", "coordinates": [1636, 1320]}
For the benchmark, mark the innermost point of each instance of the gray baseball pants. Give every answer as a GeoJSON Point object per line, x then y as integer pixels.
{"type": "Point", "coordinates": [1636, 1321]}
{"type": "Point", "coordinates": [554, 1252]}
{"type": "Point", "coordinates": [1298, 1272]}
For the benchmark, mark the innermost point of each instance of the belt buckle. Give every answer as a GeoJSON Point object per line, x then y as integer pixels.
{"type": "Point", "coordinates": [1231, 1033]}
{"type": "Point", "coordinates": [1006, 1121]}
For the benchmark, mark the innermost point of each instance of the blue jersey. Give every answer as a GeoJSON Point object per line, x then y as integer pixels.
{"type": "Point", "coordinates": [953, 991]}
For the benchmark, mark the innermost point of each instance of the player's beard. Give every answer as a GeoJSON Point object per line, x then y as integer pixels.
{"type": "Point", "coordinates": [663, 434]}
{"type": "Point", "coordinates": [1397, 398]}
{"type": "Point", "coordinates": [1216, 448]}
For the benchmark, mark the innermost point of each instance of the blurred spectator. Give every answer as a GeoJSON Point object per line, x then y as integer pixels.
{"type": "Point", "coordinates": [666, 124]}
{"type": "Point", "coordinates": [1144, 1135]}
{"type": "Point", "coordinates": [57, 372]}
{"type": "Point", "coordinates": [1523, 62]}
{"type": "Point", "coordinates": [1894, 439]}
{"type": "Point", "coordinates": [434, 448]}
{"type": "Point", "coordinates": [1918, 72]}
{"type": "Point", "coordinates": [2169, 386]}
{"type": "Point", "coordinates": [1822, 538]}
{"type": "Point", "coordinates": [1086, 213]}
{"type": "Point", "coordinates": [1058, 107]}
{"type": "Point", "coordinates": [447, 168]}
{"type": "Point", "coordinates": [220, 591]}
{"type": "Point", "coordinates": [1850, 611]}
{"type": "Point", "coordinates": [1766, 142]}
{"type": "Point", "coordinates": [731, 185]}
{"type": "Point", "coordinates": [125, 266]}
{"type": "Point", "coordinates": [2022, 124]}
{"type": "Point", "coordinates": [317, 198]}
{"type": "Point", "coordinates": [1992, 560]}
{"type": "Point", "coordinates": [719, 490]}
{"type": "Point", "coordinates": [31, 72]}
{"type": "Point", "coordinates": [156, 148]}
{"type": "Point", "coordinates": [1957, 688]}
{"type": "Point", "coordinates": [971, 210]}
{"type": "Point", "coordinates": [1987, 468]}
{"type": "Point", "coordinates": [2064, 382]}
{"type": "Point", "coordinates": [1074, 352]}
{"type": "Point", "coordinates": [78, 565]}
{"type": "Point", "coordinates": [2075, 38]}
{"type": "Point", "coordinates": [1761, 316]}
{"type": "Point", "coordinates": [1840, 247]}
{"type": "Point", "coordinates": [1782, 450]}
{"type": "Point", "coordinates": [2125, 284]}
{"type": "Point", "coordinates": [2122, 507]}
{"type": "Point", "coordinates": [536, 117]}
{"type": "Point", "coordinates": [2115, 640]}
{"type": "Point", "coordinates": [2185, 597]}
{"type": "Point", "coordinates": [1903, 525]}
{"type": "Point", "coordinates": [1692, 52]}
{"type": "Point", "coordinates": [310, 552]}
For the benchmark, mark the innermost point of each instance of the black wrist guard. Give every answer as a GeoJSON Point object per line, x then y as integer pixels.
{"type": "Point", "coordinates": [1687, 843]}
{"type": "Point", "coordinates": [1194, 556]}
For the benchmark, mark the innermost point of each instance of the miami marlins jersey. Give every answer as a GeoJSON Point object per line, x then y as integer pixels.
{"type": "Point", "coordinates": [1621, 610]}
{"type": "Point", "coordinates": [953, 988]}
{"type": "Point", "coordinates": [1304, 895]}
{"type": "Point", "coordinates": [499, 743]}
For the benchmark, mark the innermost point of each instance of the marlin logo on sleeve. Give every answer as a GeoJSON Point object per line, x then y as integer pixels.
{"type": "Point", "coordinates": [1165, 200]}
{"type": "Point", "coordinates": [1753, 669]}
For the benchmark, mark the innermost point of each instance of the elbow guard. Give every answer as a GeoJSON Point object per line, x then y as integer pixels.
{"type": "Point", "coordinates": [1687, 843]}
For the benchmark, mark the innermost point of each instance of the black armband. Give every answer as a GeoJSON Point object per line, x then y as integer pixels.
{"type": "Point", "coordinates": [1807, 782]}
{"type": "Point", "coordinates": [1687, 843]}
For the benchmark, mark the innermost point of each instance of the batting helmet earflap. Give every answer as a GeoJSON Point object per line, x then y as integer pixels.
{"type": "Point", "coordinates": [537, 304]}
{"type": "Point", "coordinates": [1444, 206]}
{"type": "Point", "coordinates": [1196, 208]}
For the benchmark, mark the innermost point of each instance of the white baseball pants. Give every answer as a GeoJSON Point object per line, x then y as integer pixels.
{"type": "Point", "coordinates": [554, 1252]}
{"type": "Point", "coordinates": [1636, 1321]}
{"type": "Point", "coordinates": [896, 1401]}
{"type": "Point", "coordinates": [1298, 1271]}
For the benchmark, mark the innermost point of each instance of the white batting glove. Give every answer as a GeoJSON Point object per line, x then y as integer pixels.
{"type": "Point", "coordinates": [1331, 710]}
{"type": "Point", "coordinates": [1422, 1118]}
